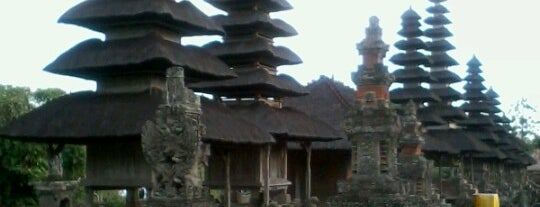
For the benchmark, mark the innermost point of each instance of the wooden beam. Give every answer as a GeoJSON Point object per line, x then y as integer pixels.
{"type": "Point", "coordinates": [267, 176]}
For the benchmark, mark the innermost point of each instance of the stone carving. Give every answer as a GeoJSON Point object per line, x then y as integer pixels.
{"type": "Point", "coordinates": [172, 143]}
{"type": "Point", "coordinates": [55, 161]}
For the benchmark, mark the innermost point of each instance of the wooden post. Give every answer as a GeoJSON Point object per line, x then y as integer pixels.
{"type": "Point", "coordinates": [267, 176]}
{"type": "Point", "coordinates": [132, 197]}
{"type": "Point", "coordinates": [307, 147]}
{"type": "Point", "coordinates": [472, 170]}
{"type": "Point", "coordinates": [228, 179]}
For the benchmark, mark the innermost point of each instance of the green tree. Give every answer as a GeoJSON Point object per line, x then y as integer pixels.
{"type": "Point", "coordinates": [21, 163]}
{"type": "Point", "coordinates": [523, 124]}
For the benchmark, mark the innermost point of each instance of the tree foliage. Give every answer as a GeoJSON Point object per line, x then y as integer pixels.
{"type": "Point", "coordinates": [21, 163]}
{"type": "Point", "coordinates": [524, 125]}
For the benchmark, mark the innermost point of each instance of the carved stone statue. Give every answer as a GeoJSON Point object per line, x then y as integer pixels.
{"type": "Point", "coordinates": [172, 144]}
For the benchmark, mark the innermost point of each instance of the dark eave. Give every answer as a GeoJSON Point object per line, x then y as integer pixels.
{"type": "Point", "coordinates": [410, 58]}
{"type": "Point", "coordinates": [437, 20]}
{"type": "Point", "coordinates": [93, 59]}
{"type": "Point", "coordinates": [441, 60]}
{"type": "Point", "coordinates": [412, 75]}
{"type": "Point", "coordinates": [253, 83]}
{"type": "Point", "coordinates": [238, 5]}
{"type": "Point", "coordinates": [102, 15]}
{"type": "Point", "coordinates": [287, 123]}
{"type": "Point", "coordinates": [439, 45]}
{"type": "Point", "coordinates": [439, 32]}
{"type": "Point", "coordinates": [445, 76]}
{"type": "Point", "coordinates": [251, 51]}
{"type": "Point", "coordinates": [246, 23]}
{"type": "Point", "coordinates": [417, 95]}
{"type": "Point", "coordinates": [437, 9]}
{"type": "Point", "coordinates": [447, 93]}
{"type": "Point", "coordinates": [410, 44]}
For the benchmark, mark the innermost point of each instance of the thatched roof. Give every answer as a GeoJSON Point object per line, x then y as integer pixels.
{"type": "Point", "coordinates": [474, 77]}
{"type": "Point", "coordinates": [264, 5]}
{"type": "Point", "coordinates": [441, 60]}
{"type": "Point", "coordinates": [436, 145]}
{"type": "Point", "coordinates": [458, 139]}
{"type": "Point", "coordinates": [474, 95]}
{"type": "Point", "coordinates": [330, 102]}
{"type": "Point", "coordinates": [445, 76]}
{"type": "Point", "coordinates": [251, 83]}
{"type": "Point", "coordinates": [437, 20]}
{"type": "Point", "coordinates": [253, 50]}
{"type": "Point", "coordinates": [447, 93]}
{"type": "Point", "coordinates": [223, 125]}
{"type": "Point", "coordinates": [417, 95]}
{"type": "Point", "coordinates": [477, 107]}
{"type": "Point", "coordinates": [410, 58]}
{"type": "Point", "coordinates": [439, 45]}
{"type": "Point", "coordinates": [443, 111]}
{"type": "Point", "coordinates": [250, 23]}
{"type": "Point", "coordinates": [438, 32]}
{"type": "Point", "coordinates": [474, 85]}
{"type": "Point", "coordinates": [150, 54]}
{"type": "Point", "coordinates": [102, 15]}
{"type": "Point", "coordinates": [437, 9]}
{"type": "Point", "coordinates": [410, 44]}
{"type": "Point", "coordinates": [428, 117]}
{"type": "Point", "coordinates": [87, 117]}
{"type": "Point", "coordinates": [286, 123]}
{"type": "Point", "coordinates": [412, 75]}
{"type": "Point", "coordinates": [411, 30]}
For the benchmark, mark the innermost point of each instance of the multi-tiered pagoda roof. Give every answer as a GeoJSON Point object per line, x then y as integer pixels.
{"type": "Point", "coordinates": [439, 61]}
{"type": "Point", "coordinates": [248, 49]}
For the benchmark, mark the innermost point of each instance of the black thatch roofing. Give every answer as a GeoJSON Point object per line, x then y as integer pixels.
{"type": "Point", "coordinates": [445, 76]}
{"type": "Point", "coordinates": [87, 117]}
{"type": "Point", "coordinates": [474, 77]}
{"type": "Point", "coordinates": [477, 121]}
{"type": "Point", "coordinates": [458, 139]}
{"type": "Point", "coordinates": [428, 117]}
{"type": "Point", "coordinates": [436, 145]}
{"type": "Point", "coordinates": [439, 45]}
{"type": "Point", "coordinates": [417, 95]}
{"type": "Point", "coordinates": [437, 20]}
{"type": "Point", "coordinates": [411, 30]}
{"type": "Point", "coordinates": [410, 44]}
{"type": "Point", "coordinates": [328, 101]}
{"type": "Point", "coordinates": [223, 125]}
{"type": "Point", "coordinates": [439, 32]}
{"type": "Point", "coordinates": [447, 93]}
{"type": "Point", "coordinates": [409, 58]}
{"type": "Point", "coordinates": [250, 23]}
{"type": "Point", "coordinates": [476, 107]}
{"type": "Point", "coordinates": [409, 15]}
{"type": "Point", "coordinates": [485, 135]}
{"type": "Point", "coordinates": [251, 83]}
{"type": "Point", "coordinates": [101, 15]}
{"type": "Point", "coordinates": [94, 58]}
{"type": "Point", "coordinates": [493, 154]}
{"type": "Point", "coordinates": [474, 95]}
{"type": "Point", "coordinates": [265, 5]}
{"type": "Point", "coordinates": [475, 64]}
{"type": "Point", "coordinates": [437, 1]}
{"type": "Point", "coordinates": [474, 85]}
{"type": "Point", "coordinates": [441, 60]}
{"type": "Point", "coordinates": [287, 123]}
{"type": "Point", "coordinates": [254, 50]}
{"type": "Point", "coordinates": [412, 75]}
{"type": "Point", "coordinates": [444, 111]}
{"type": "Point", "coordinates": [437, 9]}
{"type": "Point", "coordinates": [491, 93]}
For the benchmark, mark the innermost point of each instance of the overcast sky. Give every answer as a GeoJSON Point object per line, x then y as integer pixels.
{"type": "Point", "coordinates": [503, 34]}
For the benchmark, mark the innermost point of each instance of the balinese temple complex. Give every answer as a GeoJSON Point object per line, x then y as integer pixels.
{"type": "Point", "coordinates": [218, 125]}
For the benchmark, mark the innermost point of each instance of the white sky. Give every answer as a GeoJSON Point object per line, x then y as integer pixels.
{"type": "Point", "coordinates": [503, 34]}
